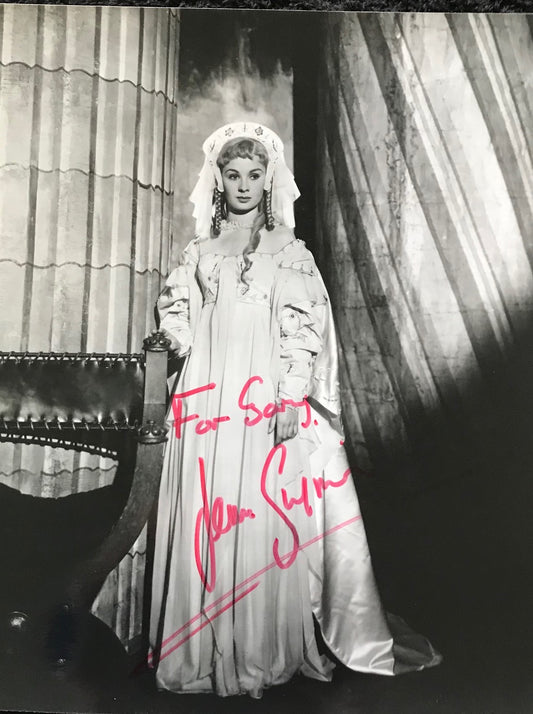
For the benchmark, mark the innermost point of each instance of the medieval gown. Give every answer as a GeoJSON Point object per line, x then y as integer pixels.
{"type": "Point", "coordinates": [253, 539]}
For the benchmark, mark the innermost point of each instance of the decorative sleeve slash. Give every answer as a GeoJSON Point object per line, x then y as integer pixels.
{"type": "Point", "coordinates": [302, 304]}
{"type": "Point", "coordinates": [174, 302]}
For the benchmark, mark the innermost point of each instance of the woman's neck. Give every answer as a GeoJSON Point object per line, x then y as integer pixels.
{"type": "Point", "coordinates": [244, 219]}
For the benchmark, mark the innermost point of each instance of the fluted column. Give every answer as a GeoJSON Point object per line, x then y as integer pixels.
{"type": "Point", "coordinates": [87, 117]}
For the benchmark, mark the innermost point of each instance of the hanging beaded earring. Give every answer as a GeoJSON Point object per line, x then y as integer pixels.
{"type": "Point", "coordinates": [269, 218]}
{"type": "Point", "coordinates": [217, 218]}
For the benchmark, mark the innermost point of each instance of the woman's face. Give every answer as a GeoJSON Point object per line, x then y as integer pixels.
{"type": "Point", "coordinates": [244, 182]}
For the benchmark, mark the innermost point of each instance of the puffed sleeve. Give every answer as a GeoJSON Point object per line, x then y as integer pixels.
{"type": "Point", "coordinates": [302, 304]}
{"type": "Point", "coordinates": [174, 302]}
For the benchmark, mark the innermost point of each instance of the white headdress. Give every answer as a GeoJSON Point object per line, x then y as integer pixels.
{"type": "Point", "coordinates": [278, 176]}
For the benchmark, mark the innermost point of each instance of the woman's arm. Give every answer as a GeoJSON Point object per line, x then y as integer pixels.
{"type": "Point", "coordinates": [173, 304]}
{"type": "Point", "coordinates": [301, 303]}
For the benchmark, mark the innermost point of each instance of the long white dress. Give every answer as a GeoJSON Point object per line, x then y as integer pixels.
{"type": "Point", "coordinates": [253, 539]}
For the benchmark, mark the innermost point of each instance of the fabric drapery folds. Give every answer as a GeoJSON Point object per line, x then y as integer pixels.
{"type": "Point", "coordinates": [300, 288]}
{"type": "Point", "coordinates": [179, 303]}
{"type": "Point", "coordinates": [233, 603]}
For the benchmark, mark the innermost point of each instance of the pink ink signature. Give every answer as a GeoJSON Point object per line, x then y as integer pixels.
{"type": "Point", "coordinates": [234, 596]}
{"type": "Point", "coordinates": [212, 521]}
{"type": "Point", "coordinates": [218, 520]}
{"type": "Point", "coordinates": [204, 425]}
{"type": "Point", "coordinates": [270, 409]}
{"type": "Point", "coordinates": [288, 504]}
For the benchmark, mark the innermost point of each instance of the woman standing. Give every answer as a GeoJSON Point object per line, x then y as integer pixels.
{"type": "Point", "coordinates": [258, 527]}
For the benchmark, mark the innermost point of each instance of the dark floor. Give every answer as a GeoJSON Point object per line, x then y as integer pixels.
{"type": "Point", "coordinates": [454, 562]}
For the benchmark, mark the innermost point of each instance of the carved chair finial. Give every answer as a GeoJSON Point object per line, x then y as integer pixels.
{"type": "Point", "coordinates": [151, 433]}
{"type": "Point", "coordinates": [156, 342]}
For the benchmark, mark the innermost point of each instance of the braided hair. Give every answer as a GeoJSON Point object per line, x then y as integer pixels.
{"type": "Point", "coordinates": [220, 210]}
{"type": "Point", "coordinates": [244, 148]}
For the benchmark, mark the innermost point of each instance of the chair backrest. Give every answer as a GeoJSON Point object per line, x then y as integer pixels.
{"type": "Point", "coordinates": [88, 402]}
{"type": "Point", "coordinates": [62, 398]}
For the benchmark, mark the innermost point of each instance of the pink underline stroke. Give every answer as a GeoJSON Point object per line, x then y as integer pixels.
{"type": "Point", "coordinates": [219, 612]}
{"type": "Point", "coordinates": [242, 584]}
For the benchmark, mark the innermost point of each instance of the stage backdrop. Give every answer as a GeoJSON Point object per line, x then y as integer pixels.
{"type": "Point", "coordinates": [424, 217]}
{"type": "Point", "coordinates": [87, 118]}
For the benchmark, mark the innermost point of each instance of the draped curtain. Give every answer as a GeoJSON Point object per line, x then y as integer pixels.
{"type": "Point", "coordinates": [88, 118]}
{"type": "Point", "coordinates": [424, 215]}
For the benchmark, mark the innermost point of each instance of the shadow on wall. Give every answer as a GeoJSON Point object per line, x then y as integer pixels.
{"type": "Point", "coordinates": [421, 206]}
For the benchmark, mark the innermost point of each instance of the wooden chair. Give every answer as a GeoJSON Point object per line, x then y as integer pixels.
{"type": "Point", "coordinates": [56, 553]}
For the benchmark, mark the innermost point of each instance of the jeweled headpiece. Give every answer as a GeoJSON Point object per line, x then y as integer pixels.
{"type": "Point", "coordinates": [278, 176]}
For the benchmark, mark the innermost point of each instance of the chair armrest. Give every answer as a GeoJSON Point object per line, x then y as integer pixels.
{"type": "Point", "coordinates": [89, 576]}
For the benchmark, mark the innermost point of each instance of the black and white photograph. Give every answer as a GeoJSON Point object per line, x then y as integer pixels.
{"type": "Point", "coordinates": [266, 373]}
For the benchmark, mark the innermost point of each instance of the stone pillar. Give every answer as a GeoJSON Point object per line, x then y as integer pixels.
{"type": "Point", "coordinates": [88, 119]}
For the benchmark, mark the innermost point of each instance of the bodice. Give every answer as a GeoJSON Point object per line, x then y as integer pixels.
{"type": "Point", "coordinates": [212, 268]}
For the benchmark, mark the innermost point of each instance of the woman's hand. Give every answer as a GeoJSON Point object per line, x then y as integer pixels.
{"type": "Point", "coordinates": [286, 424]}
{"type": "Point", "coordinates": [174, 344]}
